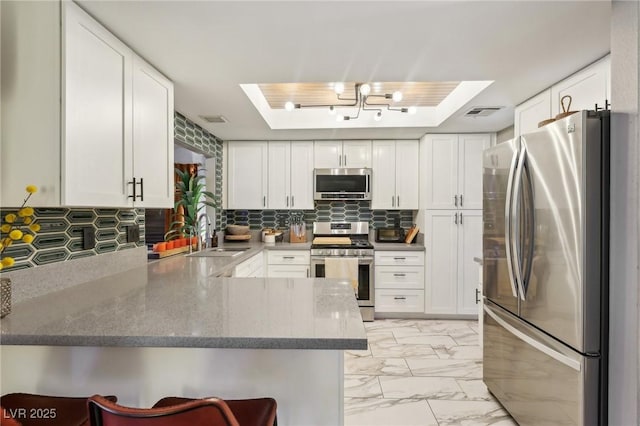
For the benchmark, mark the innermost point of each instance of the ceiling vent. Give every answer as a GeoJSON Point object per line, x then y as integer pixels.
{"type": "Point", "coordinates": [481, 111]}
{"type": "Point", "coordinates": [214, 118]}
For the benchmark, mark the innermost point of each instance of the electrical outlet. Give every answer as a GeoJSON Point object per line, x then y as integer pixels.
{"type": "Point", "coordinates": [88, 238]}
{"type": "Point", "coordinates": [133, 233]}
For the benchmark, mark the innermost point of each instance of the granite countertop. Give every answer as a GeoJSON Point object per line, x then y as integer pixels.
{"type": "Point", "coordinates": [178, 302]}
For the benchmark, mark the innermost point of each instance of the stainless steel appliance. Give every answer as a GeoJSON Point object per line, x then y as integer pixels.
{"type": "Point", "coordinates": [342, 184]}
{"type": "Point", "coordinates": [545, 272]}
{"type": "Point", "coordinates": [358, 246]}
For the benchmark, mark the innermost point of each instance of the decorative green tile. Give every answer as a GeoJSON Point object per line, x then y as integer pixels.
{"type": "Point", "coordinates": [106, 212]}
{"type": "Point", "coordinates": [52, 225]}
{"type": "Point", "coordinates": [85, 253]}
{"type": "Point", "coordinates": [76, 231]}
{"type": "Point", "coordinates": [126, 246]}
{"type": "Point", "coordinates": [81, 216]}
{"type": "Point", "coordinates": [49, 241]}
{"type": "Point", "coordinates": [47, 212]}
{"type": "Point", "coordinates": [75, 246]}
{"type": "Point", "coordinates": [17, 266]}
{"type": "Point", "coordinates": [107, 234]}
{"type": "Point", "coordinates": [19, 251]}
{"type": "Point", "coordinates": [128, 215]}
{"type": "Point", "coordinates": [50, 256]}
{"type": "Point", "coordinates": [106, 222]}
{"type": "Point", "coordinates": [105, 247]}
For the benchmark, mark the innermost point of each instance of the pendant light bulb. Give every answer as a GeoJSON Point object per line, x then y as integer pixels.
{"type": "Point", "coordinates": [332, 110]}
{"type": "Point", "coordinates": [338, 88]}
{"type": "Point", "coordinates": [397, 96]}
{"type": "Point", "coordinates": [365, 89]}
{"type": "Point", "coordinates": [289, 106]}
{"type": "Point", "coordinates": [412, 110]}
{"type": "Point", "coordinates": [378, 116]}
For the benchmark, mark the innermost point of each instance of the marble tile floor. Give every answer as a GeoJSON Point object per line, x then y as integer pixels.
{"type": "Point", "coordinates": [419, 372]}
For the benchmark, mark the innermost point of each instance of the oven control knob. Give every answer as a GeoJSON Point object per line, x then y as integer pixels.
{"type": "Point", "coordinates": [324, 252]}
{"type": "Point", "coordinates": [342, 252]}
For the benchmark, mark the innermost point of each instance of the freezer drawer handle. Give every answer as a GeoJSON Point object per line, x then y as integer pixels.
{"type": "Point", "coordinates": [572, 363]}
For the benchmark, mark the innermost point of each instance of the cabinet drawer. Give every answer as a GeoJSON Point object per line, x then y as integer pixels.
{"type": "Point", "coordinates": [399, 258]}
{"type": "Point", "coordinates": [288, 271]}
{"type": "Point", "coordinates": [392, 277]}
{"type": "Point", "coordinates": [399, 300]}
{"type": "Point", "coordinates": [291, 257]}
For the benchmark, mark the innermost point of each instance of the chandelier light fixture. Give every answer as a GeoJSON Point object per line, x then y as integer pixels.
{"type": "Point", "coordinates": [362, 100]}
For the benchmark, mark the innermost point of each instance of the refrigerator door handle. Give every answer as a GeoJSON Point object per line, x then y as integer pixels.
{"type": "Point", "coordinates": [507, 224]}
{"type": "Point", "coordinates": [531, 230]}
{"type": "Point", "coordinates": [515, 216]}
{"type": "Point", "coordinates": [569, 362]}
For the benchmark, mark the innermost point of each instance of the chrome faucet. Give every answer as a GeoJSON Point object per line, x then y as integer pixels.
{"type": "Point", "coordinates": [207, 231]}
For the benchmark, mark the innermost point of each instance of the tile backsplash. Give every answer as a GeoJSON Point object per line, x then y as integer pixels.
{"type": "Point", "coordinates": [60, 235]}
{"type": "Point", "coordinates": [325, 211]}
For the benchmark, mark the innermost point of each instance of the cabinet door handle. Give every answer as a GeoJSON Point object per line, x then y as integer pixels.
{"type": "Point", "coordinates": [393, 201]}
{"type": "Point", "coordinates": [477, 296]}
{"type": "Point", "coordinates": [264, 201]}
{"type": "Point", "coordinates": [461, 200]}
{"type": "Point", "coordinates": [460, 218]}
{"type": "Point", "coordinates": [292, 201]}
{"type": "Point", "coordinates": [339, 160]}
{"type": "Point", "coordinates": [287, 201]}
{"type": "Point", "coordinates": [307, 272]}
{"type": "Point", "coordinates": [345, 160]}
{"type": "Point", "coordinates": [399, 275]}
{"type": "Point", "coordinates": [455, 218]}
{"type": "Point", "coordinates": [398, 201]}
{"type": "Point", "coordinates": [141, 196]}
{"type": "Point", "coordinates": [133, 182]}
{"type": "Point", "coordinates": [455, 200]}
{"type": "Point", "coordinates": [400, 298]}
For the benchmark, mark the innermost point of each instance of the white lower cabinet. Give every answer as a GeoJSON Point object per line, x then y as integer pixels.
{"type": "Point", "coordinates": [251, 268]}
{"type": "Point", "coordinates": [399, 281]}
{"type": "Point", "coordinates": [288, 263]}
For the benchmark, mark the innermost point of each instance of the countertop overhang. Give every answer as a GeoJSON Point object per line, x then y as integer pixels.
{"type": "Point", "coordinates": [179, 302]}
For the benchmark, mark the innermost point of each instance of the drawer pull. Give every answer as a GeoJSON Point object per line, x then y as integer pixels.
{"type": "Point", "coordinates": [288, 257]}
{"type": "Point", "coordinates": [400, 298]}
{"type": "Point", "coordinates": [399, 258]}
{"type": "Point", "coordinates": [399, 275]}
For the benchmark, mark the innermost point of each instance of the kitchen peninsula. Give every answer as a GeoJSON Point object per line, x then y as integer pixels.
{"type": "Point", "coordinates": [173, 328]}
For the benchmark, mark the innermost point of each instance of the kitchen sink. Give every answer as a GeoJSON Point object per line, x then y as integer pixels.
{"type": "Point", "coordinates": [220, 252]}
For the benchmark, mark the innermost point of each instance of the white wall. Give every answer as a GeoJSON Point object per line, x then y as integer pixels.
{"type": "Point", "coordinates": [624, 363]}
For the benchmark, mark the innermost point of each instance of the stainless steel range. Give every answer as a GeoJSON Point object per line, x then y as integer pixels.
{"type": "Point", "coordinates": [348, 240]}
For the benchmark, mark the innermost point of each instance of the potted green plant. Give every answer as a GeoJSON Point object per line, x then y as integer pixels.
{"type": "Point", "coordinates": [189, 207]}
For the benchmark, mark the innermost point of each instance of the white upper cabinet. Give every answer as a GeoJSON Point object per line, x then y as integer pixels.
{"type": "Point", "coordinates": [153, 165]}
{"type": "Point", "coordinates": [528, 114]}
{"type": "Point", "coordinates": [395, 175]}
{"type": "Point", "coordinates": [279, 181]}
{"type": "Point", "coordinates": [301, 175]}
{"type": "Point", "coordinates": [335, 154]}
{"type": "Point", "coordinates": [587, 87]}
{"type": "Point", "coordinates": [104, 113]}
{"type": "Point", "coordinates": [290, 184]}
{"type": "Point", "coordinates": [247, 175]}
{"type": "Point", "coordinates": [453, 175]}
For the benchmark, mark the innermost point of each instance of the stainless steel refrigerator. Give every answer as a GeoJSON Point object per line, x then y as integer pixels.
{"type": "Point", "coordinates": [545, 272]}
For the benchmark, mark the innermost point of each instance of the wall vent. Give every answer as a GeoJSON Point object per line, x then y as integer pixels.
{"type": "Point", "coordinates": [482, 111]}
{"type": "Point", "coordinates": [214, 118]}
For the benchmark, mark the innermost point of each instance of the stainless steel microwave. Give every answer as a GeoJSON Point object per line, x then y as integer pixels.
{"type": "Point", "coordinates": [342, 184]}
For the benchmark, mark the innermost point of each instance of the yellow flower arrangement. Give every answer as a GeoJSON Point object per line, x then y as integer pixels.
{"type": "Point", "coordinates": [18, 227]}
